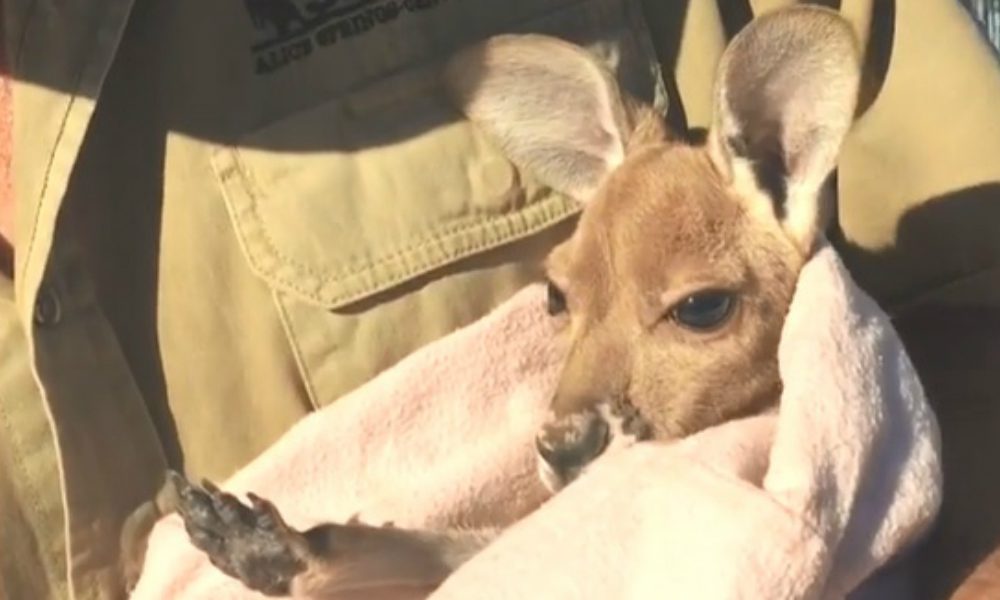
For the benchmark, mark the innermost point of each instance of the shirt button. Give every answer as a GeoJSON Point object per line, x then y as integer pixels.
{"type": "Point", "coordinates": [48, 310]}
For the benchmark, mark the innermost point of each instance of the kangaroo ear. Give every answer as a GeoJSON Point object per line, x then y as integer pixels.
{"type": "Point", "coordinates": [553, 109]}
{"type": "Point", "coordinates": [785, 97]}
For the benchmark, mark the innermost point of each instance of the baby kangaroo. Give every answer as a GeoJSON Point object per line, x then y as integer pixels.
{"type": "Point", "coordinates": [672, 291]}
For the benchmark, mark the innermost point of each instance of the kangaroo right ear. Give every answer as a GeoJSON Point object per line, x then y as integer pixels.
{"type": "Point", "coordinates": [785, 96]}
{"type": "Point", "coordinates": [553, 109]}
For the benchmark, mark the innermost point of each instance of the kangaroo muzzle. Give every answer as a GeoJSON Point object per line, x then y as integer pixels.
{"type": "Point", "coordinates": [568, 444]}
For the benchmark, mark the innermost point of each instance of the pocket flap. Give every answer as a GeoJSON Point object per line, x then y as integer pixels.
{"type": "Point", "coordinates": [367, 191]}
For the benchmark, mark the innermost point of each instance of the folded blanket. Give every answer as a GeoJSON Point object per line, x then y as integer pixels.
{"type": "Point", "coordinates": [805, 502]}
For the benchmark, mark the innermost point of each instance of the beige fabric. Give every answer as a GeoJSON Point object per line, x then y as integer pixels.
{"type": "Point", "coordinates": [223, 224]}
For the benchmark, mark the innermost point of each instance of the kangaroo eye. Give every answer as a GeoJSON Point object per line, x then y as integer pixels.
{"type": "Point", "coordinates": [704, 311]}
{"type": "Point", "coordinates": [556, 302]}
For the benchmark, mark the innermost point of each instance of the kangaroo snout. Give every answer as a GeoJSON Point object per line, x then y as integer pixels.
{"type": "Point", "coordinates": [567, 444]}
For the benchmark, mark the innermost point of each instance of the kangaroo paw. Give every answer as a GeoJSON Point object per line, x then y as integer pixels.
{"type": "Point", "coordinates": [250, 543]}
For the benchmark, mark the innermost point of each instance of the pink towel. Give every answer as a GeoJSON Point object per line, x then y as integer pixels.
{"type": "Point", "coordinates": [805, 502]}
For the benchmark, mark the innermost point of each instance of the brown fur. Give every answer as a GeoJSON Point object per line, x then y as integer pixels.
{"type": "Point", "coordinates": [664, 227]}
{"type": "Point", "coordinates": [663, 221]}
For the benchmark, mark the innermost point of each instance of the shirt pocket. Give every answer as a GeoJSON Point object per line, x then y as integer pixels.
{"type": "Point", "coordinates": [346, 210]}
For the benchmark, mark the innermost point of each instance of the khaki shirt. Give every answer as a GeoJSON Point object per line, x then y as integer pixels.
{"type": "Point", "coordinates": [232, 213]}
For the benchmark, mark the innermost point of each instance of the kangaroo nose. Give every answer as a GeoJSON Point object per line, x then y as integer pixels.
{"type": "Point", "coordinates": [569, 443]}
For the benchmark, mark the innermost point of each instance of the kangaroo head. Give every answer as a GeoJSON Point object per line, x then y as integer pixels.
{"type": "Point", "coordinates": [673, 290]}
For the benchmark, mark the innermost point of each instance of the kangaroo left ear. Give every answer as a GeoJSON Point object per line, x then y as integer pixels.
{"type": "Point", "coordinates": [785, 97]}
{"type": "Point", "coordinates": [551, 107]}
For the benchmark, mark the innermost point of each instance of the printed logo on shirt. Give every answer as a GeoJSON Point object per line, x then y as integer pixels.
{"type": "Point", "coordinates": [294, 30]}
